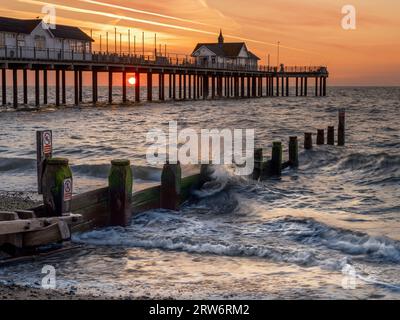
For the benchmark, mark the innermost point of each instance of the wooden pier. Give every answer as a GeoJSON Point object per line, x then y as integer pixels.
{"type": "Point", "coordinates": [185, 79]}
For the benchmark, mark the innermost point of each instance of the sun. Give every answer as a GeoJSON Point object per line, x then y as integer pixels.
{"type": "Point", "coordinates": [132, 80]}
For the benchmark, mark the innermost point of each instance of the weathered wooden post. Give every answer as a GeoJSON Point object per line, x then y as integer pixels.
{"type": "Point", "coordinates": [308, 143]}
{"type": "Point", "coordinates": [3, 86]}
{"type": "Point", "coordinates": [171, 186]}
{"type": "Point", "coordinates": [63, 87]}
{"type": "Point", "coordinates": [57, 80]}
{"type": "Point", "coordinates": [293, 152]}
{"type": "Point", "coordinates": [124, 99]}
{"type": "Point", "coordinates": [258, 159]}
{"type": "Point", "coordinates": [44, 151]}
{"type": "Point", "coordinates": [45, 87]}
{"type": "Point", "coordinates": [341, 127]}
{"type": "Point", "coordinates": [320, 136]}
{"type": "Point", "coordinates": [57, 187]}
{"type": "Point", "coordinates": [331, 135]}
{"type": "Point", "coordinates": [25, 84]}
{"type": "Point", "coordinates": [120, 183]}
{"type": "Point", "coordinates": [37, 87]}
{"type": "Point", "coordinates": [276, 159]}
{"type": "Point", "coordinates": [15, 88]}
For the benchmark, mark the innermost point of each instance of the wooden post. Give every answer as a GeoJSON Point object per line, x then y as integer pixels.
{"type": "Point", "coordinates": [316, 86]}
{"type": "Point", "coordinates": [277, 86]}
{"type": "Point", "coordinates": [248, 87]}
{"type": "Point", "coordinates": [308, 143]}
{"type": "Point", "coordinates": [341, 127]}
{"type": "Point", "coordinates": [149, 86]}
{"type": "Point", "coordinates": [331, 135]}
{"type": "Point", "coordinates": [57, 187]}
{"type": "Point", "coordinates": [25, 84]}
{"type": "Point", "coordinates": [170, 85]}
{"type": "Point", "coordinates": [161, 86]}
{"type": "Point", "coordinates": [242, 92]}
{"type": "Point", "coordinates": [120, 183]}
{"type": "Point", "coordinates": [297, 86]}
{"type": "Point", "coordinates": [180, 86]}
{"type": "Point", "coordinates": [283, 86]}
{"type": "Point", "coordinates": [276, 159]}
{"type": "Point", "coordinates": [80, 85]}
{"type": "Point", "coordinates": [15, 88]}
{"type": "Point", "coordinates": [293, 152]}
{"type": "Point", "coordinates": [137, 87]}
{"type": "Point", "coordinates": [94, 87]}
{"type": "Point", "coordinates": [174, 86]}
{"type": "Point", "coordinates": [76, 88]}
{"type": "Point", "coordinates": [190, 86]}
{"type": "Point", "coordinates": [287, 86]}
{"type": "Point", "coordinates": [301, 86]}
{"type": "Point", "coordinates": [213, 86]}
{"type": "Point", "coordinates": [4, 86]}
{"type": "Point", "coordinates": [194, 87]}
{"type": "Point", "coordinates": [45, 88]}
{"type": "Point", "coordinates": [320, 86]}
{"type": "Point", "coordinates": [63, 87]}
{"type": "Point", "coordinates": [306, 86]}
{"type": "Point", "coordinates": [37, 96]}
{"type": "Point", "coordinates": [171, 186]}
{"type": "Point", "coordinates": [110, 85]}
{"type": "Point", "coordinates": [324, 90]}
{"type": "Point", "coordinates": [258, 159]}
{"type": "Point", "coordinates": [184, 87]}
{"type": "Point", "coordinates": [57, 80]}
{"type": "Point", "coordinates": [320, 136]}
{"type": "Point", "coordinates": [44, 151]}
{"type": "Point", "coordinates": [124, 99]}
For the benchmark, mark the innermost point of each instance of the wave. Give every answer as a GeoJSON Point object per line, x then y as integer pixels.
{"type": "Point", "coordinates": [17, 164]}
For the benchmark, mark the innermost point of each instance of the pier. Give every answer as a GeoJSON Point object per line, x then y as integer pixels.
{"type": "Point", "coordinates": [186, 79]}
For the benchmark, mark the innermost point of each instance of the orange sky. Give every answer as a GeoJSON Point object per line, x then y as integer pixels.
{"type": "Point", "coordinates": [310, 31]}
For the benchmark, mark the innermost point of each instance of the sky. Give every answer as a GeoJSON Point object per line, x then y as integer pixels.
{"type": "Point", "coordinates": [310, 32]}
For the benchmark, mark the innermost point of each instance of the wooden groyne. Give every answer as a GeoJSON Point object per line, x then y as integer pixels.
{"type": "Point", "coordinates": [63, 213]}
{"type": "Point", "coordinates": [184, 80]}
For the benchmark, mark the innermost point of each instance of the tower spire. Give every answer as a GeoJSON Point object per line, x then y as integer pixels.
{"type": "Point", "coordinates": [221, 37]}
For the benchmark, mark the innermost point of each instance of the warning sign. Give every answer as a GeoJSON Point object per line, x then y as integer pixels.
{"type": "Point", "coordinates": [67, 187]}
{"type": "Point", "coordinates": [47, 143]}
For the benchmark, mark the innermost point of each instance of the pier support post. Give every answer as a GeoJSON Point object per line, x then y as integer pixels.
{"type": "Point", "coordinates": [324, 90]}
{"type": "Point", "coordinates": [110, 85]}
{"type": "Point", "coordinates": [149, 86]}
{"type": "Point", "coordinates": [170, 86]}
{"type": "Point", "coordinates": [276, 159]}
{"type": "Point", "coordinates": [37, 87]}
{"type": "Point", "coordinates": [124, 99]}
{"type": "Point", "coordinates": [308, 143]}
{"type": "Point", "coordinates": [189, 86]}
{"type": "Point", "coordinates": [283, 86]}
{"type": "Point", "coordinates": [45, 87]}
{"type": "Point", "coordinates": [57, 80]}
{"type": "Point", "coordinates": [320, 86]}
{"type": "Point", "coordinates": [213, 86]}
{"type": "Point", "coordinates": [306, 86]}
{"type": "Point", "coordinates": [331, 136]}
{"type": "Point", "coordinates": [63, 87]}
{"type": "Point", "coordinates": [301, 86]}
{"type": "Point", "coordinates": [137, 87]}
{"type": "Point", "coordinates": [184, 87]}
{"type": "Point", "coordinates": [15, 88]}
{"type": "Point", "coordinates": [277, 86]}
{"type": "Point", "coordinates": [171, 186]}
{"type": "Point", "coordinates": [4, 86]}
{"type": "Point", "coordinates": [258, 161]}
{"type": "Point", "coordinates": [320, 136]}
{"type": "Point", "coordinates": [242, 92]}
{"type": "Point", "coordinates": [94, 87]}
{"type": "Point", "coordinates": [161, 86]}
{"type": "Point", "coordinates": [174, 86]}
{"type": "Point", "coordinates": [195, 87]}
{"type": "Point", "coordinates": [316, 86]}
{"type": "Point", "coordinates": [80, 85]}
{"type": "Point", "coordinates": [25, 84]}
{"type": "Point", "coordinates": [120, 183]}
{"type": "Point", "coordinates": [293, 152]}
{"type": "Point", "coordinates": [205, 87]}
{"type": "Point", "coordinates": [57, 187]}
{"type": "Point", "coordinates": [341, 127]}
{"type": "Point", "coordinates": [297, 86]}
{"type": "Point", "coordinates": [180, 86]}
{"type": "Point", "coordinates": [254, 86]}
{"type": "Point", "coordinates": [76, 88]}
{"type": "Point", "coordinates": [287, 86]}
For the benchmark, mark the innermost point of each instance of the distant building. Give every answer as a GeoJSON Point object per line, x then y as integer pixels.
{"type": "Point", "coordinates": [29, 39]}
{"type": "Point", "coordinates": [225, 53]}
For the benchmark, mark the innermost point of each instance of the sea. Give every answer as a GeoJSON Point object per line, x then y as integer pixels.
{"type": "Point", "coordinates": [327, 230]}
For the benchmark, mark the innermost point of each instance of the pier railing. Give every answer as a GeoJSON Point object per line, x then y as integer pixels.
{"type": "Point", "coordinates": [29, 53]}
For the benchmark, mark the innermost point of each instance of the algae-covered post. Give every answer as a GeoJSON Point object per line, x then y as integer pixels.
{"type": "Point", "coordinates": [171, 186]}
{"type": "Point", "coordinates": [341, 127]}
{"type": "Point", "coordinates": [308, 140]}
{"type": "Point", "coordinates": [44, 151]}
{"type": "Point", "coordinates": [120, 189]}
{"type": "Point", "coordinates": [293, 152]}
{"type": "Point", "coordinates": [331, 135]}
{"type": "Point", "coordinates": [57, 187]}
{"type": "Point", "coordinates": [320, 136]}
{"type": "Point", "coordinates": [258, 158]}
{"type": "Point", "coordinates": [276, 159]}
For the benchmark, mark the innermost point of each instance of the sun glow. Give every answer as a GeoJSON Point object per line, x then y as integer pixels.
{"type": "Point", "coordinates": [132, 80]}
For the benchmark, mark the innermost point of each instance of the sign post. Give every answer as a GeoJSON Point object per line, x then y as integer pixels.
{"type": "Point", "coordinates": [44, 151]}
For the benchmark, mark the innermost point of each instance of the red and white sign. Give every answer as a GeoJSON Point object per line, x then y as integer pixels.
{"type": "Point", "coordinates": [47, 143]}
{"type": "Point", "coordinates": [67, 188]}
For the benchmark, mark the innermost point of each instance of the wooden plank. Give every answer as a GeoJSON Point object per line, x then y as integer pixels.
{"type": "Point", "coordinates": [98, 213]}
{"type": "Point", "coordinates": [7, 216]}
{"type": "Point", "coordinates": [146, 199]}
{"type": "Point", "coordinates": [188, 184]}
{"type": "Point", "coordinates": [19, 226]}
{"type": "Point", "coordinates": [89, 198]}
{"type": "Point", "coordinates": [56, 232]}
